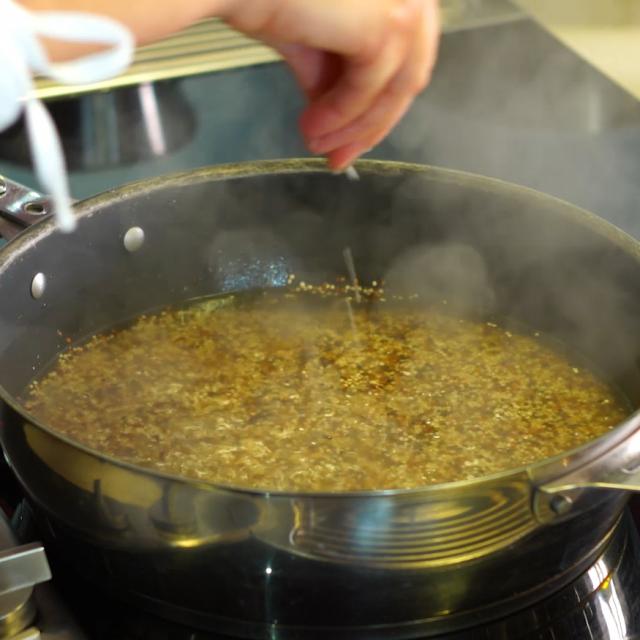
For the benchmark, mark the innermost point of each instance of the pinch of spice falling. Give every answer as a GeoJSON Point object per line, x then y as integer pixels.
{"type": "Point", "coordinates": [271, 390]}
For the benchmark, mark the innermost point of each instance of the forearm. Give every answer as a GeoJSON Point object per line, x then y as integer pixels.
{"type": "Point", "coordinates": [148, 20]}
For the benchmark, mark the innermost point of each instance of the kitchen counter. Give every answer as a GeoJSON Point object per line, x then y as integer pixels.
{"type": "Point", "coordinates": [605, 33]}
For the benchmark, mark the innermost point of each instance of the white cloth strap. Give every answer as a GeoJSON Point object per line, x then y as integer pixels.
{"type": "Point", "coordinates": [22, 54]}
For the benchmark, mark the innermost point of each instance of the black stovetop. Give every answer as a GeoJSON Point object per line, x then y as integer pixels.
{"type": "Point", "coordinates": [609, 612]}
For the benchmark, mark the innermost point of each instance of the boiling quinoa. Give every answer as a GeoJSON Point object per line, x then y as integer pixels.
{"type": "Point", "coordinates": [297, 392]}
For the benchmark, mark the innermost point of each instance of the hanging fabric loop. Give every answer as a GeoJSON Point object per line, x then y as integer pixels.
{"type": "Point", "coordinates": [22, 55]}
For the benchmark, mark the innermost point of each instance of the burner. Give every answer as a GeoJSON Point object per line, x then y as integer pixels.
{"type": "Point", "coordinates": [600, 605]}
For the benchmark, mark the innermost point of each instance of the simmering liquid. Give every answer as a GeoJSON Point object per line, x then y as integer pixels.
{"type": "Point", "coordinates": [299, 392]}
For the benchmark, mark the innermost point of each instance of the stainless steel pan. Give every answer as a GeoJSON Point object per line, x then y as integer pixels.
{"type": "Point", "coordinates": [263, 565]}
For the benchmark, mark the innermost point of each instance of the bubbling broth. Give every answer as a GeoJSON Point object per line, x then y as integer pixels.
{"type": "Point", "coordinates": [299, 391]}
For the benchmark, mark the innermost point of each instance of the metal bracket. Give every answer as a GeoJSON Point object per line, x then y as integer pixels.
{"type": "Point", "coordinates": [23, 567]}
{"type": "Point", "coordinates": [20, 207]}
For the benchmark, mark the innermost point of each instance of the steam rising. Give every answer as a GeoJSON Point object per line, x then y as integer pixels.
{"type": "Point", "coordinates": [451, 273]}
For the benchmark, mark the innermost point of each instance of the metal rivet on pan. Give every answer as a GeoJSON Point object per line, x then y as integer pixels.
{"type": "Point", "coordinates": [35, 208]}
{"type": "Point", "coordinates": [561, 504]}
{"type": "Point", "coordinates": [3, 186]}
{"type": "Point", "coordinates": [38, 285]}
{"type": "Point", "coordinates": [133, 239]}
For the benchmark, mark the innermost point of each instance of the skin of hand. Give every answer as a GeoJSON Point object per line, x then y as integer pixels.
{"type": "Point", "coordinates": [360, 63]}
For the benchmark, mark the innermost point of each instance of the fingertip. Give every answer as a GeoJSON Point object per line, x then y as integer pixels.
{"type": "Point", "coordinates": [344, 157]}
{"type": "Point", "coordinates": [334, 163]}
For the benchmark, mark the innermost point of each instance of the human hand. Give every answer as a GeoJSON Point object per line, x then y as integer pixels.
{"type": "Point", "coordinates": [360, 63]}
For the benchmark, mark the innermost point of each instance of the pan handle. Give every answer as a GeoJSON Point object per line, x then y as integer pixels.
{"type": "Point", "coordinates": [20, 207]}
{"type": "Point", "coordinates": [613, 465]}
